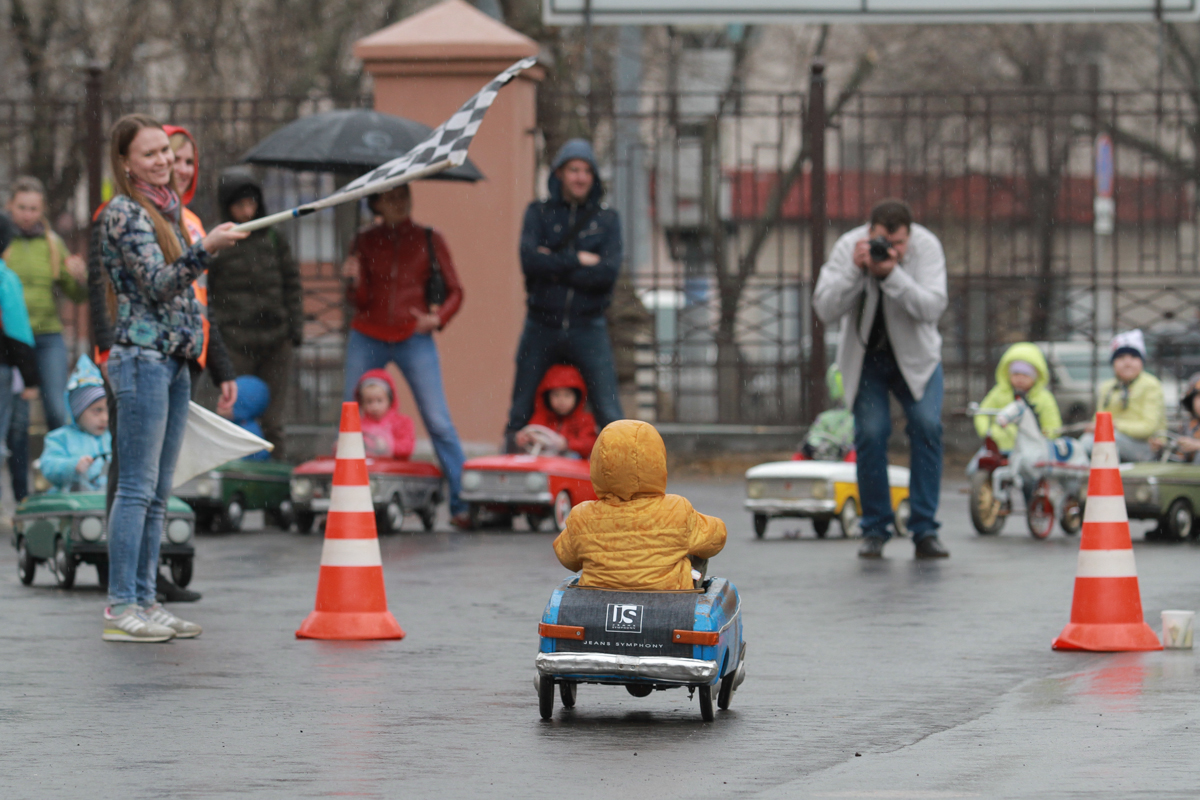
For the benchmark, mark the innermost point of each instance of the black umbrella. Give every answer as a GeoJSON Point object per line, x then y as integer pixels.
{"type": "Point", "coordinates": [350, 140]}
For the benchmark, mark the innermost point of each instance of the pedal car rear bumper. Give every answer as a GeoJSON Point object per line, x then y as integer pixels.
{"type": "Point", "coordinates": [659, 668]}
{"type": "Point", "coordinates": [781, 506]}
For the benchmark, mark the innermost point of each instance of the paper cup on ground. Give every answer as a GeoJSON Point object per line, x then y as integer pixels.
{"type": "Point", "coordinates": [1177, 629]}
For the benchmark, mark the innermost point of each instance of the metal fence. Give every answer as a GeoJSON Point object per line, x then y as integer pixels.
{"type": "Point", "coordinates": [719, 242]}
{"type": "Point", "coordinates": [1004, 179]}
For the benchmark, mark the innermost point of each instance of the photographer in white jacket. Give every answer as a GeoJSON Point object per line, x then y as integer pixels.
{"type": "Point", "coordinates": [886, 283]}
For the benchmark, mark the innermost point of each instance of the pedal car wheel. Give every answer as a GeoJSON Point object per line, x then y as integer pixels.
{"type": "Point", "coordinates": [1040, 516]}
{"type": "Point", "coordinates": [848, 519]}
{"type": "Point", "coordinates": [474, 512]}
{"type": "Point", "coordinates": [304, 521]}
{"type": "Point", "coordinates": [534, 521]}
{"type": "Point", "coordinates": [566, 692]}
{"type": "Point", "coordinates": [26, 565]}
{"type": "Point", "coordinates": [1179, 521]}
{"type": "Point", "coordinates": [725, 696]}
{"type": "Point", "coordinates": [639, 689]}
{"type": "Point", "coordinates": [1070, 519]}
{"type": "Point", "coordinates": [428, 519]}
{"type": "Point", "coordinates": [821, 526]}
{"type": "Point", "coordinates": [102, 573]}
{"type": "Point", "coordinates": [546, 696]}
{"type": "Point", "coordinates": [562, 508]}
{"type": "Point", "coordinates": [234, 514]}
{"type": "Point", "coordinates": [985, 506]}
{"type": "Point", "coordinates": [760, 525]}
{"type": "Point", "coordinates": [181, 572]}
{"type": "Point", "coordinates": [903, 512]}
{"type": "Point", "coordinates": [706, 702]}
{"type": "Point", "coordinates": [64, 565]}
{"type": "Point", "coordinates": [391, 517]}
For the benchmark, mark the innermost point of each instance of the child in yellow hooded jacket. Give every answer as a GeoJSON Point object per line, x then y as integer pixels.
{"type": "Point", "coordinates": [1022, 371]}
{"type": "Point", "coordinates": [635, 536]}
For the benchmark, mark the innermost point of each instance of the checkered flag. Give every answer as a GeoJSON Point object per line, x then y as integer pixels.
{"type": "Point", "coordinates": [443, 149]}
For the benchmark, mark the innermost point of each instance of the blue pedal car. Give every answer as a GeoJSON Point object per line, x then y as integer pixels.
{"type": "Point", "coordinates": [644, 641]}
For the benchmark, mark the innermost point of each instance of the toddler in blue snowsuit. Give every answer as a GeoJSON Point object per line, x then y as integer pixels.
{"type": "Point", "coordinates": [75, 457]}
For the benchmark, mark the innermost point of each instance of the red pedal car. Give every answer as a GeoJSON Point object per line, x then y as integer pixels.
{"type": "Point", "coordinates": [540, 487]}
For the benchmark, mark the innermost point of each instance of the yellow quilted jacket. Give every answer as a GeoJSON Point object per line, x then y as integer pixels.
{"type": "Point", "coordinates": [635, 536]}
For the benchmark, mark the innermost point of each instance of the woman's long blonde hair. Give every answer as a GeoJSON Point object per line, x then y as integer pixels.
{"type": "Point", "coordinates": [122, 135]}
{"type": "Point", "coordinates": [27, 184]}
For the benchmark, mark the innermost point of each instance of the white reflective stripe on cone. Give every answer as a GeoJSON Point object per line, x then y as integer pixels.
{"type": "Point", "coordinates": [1104, 455]}
{"type": "Point", "coordinates": [1106, 564]}
{"type": "Point", "coordinates": [1105, 508]}
{"type": "Point", "coordinates": [351, 498]}
{"type": "Point", "coordinates": [350, 445]}
{"type": "Point", "coordinates": [351, 553]}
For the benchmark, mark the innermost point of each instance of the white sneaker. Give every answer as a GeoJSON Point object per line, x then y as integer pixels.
{"type": "Point", "coordinates": [132, 625]}
{"type": "Point", "coordinates": [183, 629]}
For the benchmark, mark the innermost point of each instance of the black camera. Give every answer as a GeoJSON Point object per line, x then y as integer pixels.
{"type": "Point", "coordinates": [880, 249]}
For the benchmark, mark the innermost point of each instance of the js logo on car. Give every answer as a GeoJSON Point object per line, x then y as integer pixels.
{"type": "Point", "coordinates": [623, 618]}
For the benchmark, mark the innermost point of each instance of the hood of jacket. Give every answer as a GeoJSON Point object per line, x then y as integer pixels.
{"type": "Point", "coordinates": [378, 375]}
{"type": "Point", "coordinates": [1024, 351]}
{"type": "Point", "coordinates": [561, 376]}
{"type": "Point", "coordinates": [629, 461]}
{"type": "Point", "coordinates": [253, 397]}
{"type": "Point", "coordinates": [86, 373]}
{"type": "Point", "coordinates": [236, 183]}
{"type": "Point", "coordinates": [190, 192]}
{"type": "Point", "coordinates": [573, 149]}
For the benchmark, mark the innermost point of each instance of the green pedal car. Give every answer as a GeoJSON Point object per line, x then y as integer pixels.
{"type": "Point", "coordinates": [222, 496]}
{"type": "Point", "coordinates": [64, 530]}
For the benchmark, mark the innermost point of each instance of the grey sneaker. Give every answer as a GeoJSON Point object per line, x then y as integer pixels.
{"type": "Point", "coordinates": [182, 628]}
{"type": "Point", "coordinates": [132, 625]}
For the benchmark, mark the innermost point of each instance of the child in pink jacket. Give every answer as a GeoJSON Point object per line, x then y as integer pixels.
{"type": "Point", "coordinates": [386, 432]}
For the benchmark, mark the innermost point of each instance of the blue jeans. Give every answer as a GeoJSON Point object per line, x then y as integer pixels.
{"type": "Point", "coordinates": [152, 391]}
{"type": "Point", "coordinates": [51, 353]}
{"type": "Point", "coordinates": [873, 427]}
{"type": "Point", "coordinates": [417, 358]}
{"type": "Point", "coordinates": [585, 345]}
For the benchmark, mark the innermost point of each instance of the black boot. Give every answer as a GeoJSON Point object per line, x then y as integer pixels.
{"type": "Point", "coordinates": [930, 547]}
{"type": "Point", "coordinates": [170, 593]}
{"type": "Point", "coordinates": [871, 547]}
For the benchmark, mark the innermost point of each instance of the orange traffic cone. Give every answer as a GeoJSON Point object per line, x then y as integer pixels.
{"type": "Point", "coordinates": [351, 603]}
{"type": "Point", "coordinates": [1106, 613]}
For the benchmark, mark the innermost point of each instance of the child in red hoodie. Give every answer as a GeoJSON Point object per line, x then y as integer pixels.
{"type": "Point", "coordinates": [559, 406]}
{"type": "Point", "coordinates": [386, 432]}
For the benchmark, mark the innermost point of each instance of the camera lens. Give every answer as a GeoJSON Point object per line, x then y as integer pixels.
{"type": "Point", "coordinates": [879, 249]}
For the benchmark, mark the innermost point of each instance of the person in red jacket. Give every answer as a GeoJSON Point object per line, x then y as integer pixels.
{"type": "Point", "coordinates": [560, 406]}
{"type": "Point", "coordinates": [392, 271]}
{"type": "Point", "coordinates": [386, 431]}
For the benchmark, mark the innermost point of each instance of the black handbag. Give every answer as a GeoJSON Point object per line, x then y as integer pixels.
{"type": "Point", "coordinates": [435, 288]}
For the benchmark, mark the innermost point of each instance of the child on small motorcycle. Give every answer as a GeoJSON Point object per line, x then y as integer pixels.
{"type": "Point", "coordinates": [1021, 373]}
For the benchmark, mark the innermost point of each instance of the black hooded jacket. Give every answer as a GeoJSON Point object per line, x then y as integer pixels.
{"type": "Point", "coordinates": [558, 288]}
{"type": "Point", "coordinates": [254, 292]}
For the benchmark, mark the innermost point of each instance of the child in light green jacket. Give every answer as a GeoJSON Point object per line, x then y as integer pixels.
{"type": "Point", "coordinates": [1022, 372]}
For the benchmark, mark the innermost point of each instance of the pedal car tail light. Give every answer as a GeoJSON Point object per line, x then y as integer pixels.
{"type": "Point", "coordinates": [559, 631]}
{"type": "Point", "coordinates": [695, 637]}
{"type": "Point", "coordinates": [471, 479]}
{"type": "Point", "coordinates": [178, 531]}
{"type": "Point", "coordinates": [91, 529]}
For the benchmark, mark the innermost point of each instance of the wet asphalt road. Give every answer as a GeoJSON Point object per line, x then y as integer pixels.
{"type": "Point", "coordinates": [939, 674]}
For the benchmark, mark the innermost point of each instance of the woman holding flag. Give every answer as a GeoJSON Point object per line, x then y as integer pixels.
{"type": "Point", "coordinates": [152, 262]}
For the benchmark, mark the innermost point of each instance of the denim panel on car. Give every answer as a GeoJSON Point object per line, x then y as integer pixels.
{"type": "Point", "coordinates": [627, 623]}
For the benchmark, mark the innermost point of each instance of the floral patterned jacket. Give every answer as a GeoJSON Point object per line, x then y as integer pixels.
{"type": "Point", "coordinates": [156, 307]}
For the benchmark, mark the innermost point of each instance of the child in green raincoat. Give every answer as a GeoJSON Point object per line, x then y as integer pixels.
{"type": "Point", "coordinates": [1022, 372]}
{"type": "Point", "coordinates": [831, 437]}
